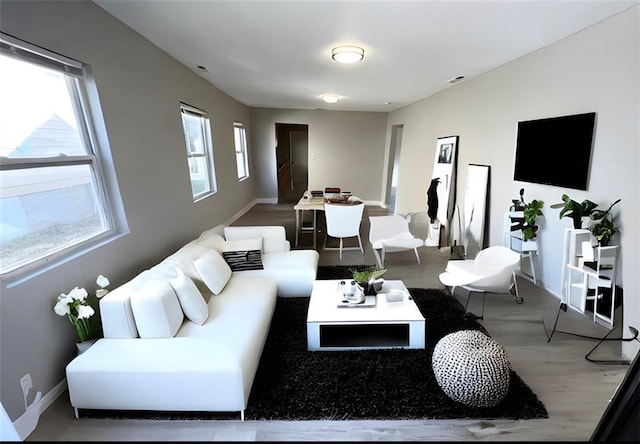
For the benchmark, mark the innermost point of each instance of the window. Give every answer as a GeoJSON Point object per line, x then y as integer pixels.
{"type": "Point", "coordinates": [54, 201]}
{"type": "Point", "coordinates": [197, 138]}
{"type": "Point", "coordinates": [240, 137]}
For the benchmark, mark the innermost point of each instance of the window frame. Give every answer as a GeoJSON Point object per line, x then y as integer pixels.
{"type": "Point", "coordinates": [243, 152]}
{"type": "Point", "coordinates": [207, 153]}
{"type": "Point", "coordinates": [92, 132]}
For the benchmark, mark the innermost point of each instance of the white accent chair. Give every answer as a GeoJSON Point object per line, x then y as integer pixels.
{"type": "Point", "coordinates": [343, 221]}
{"type": "Point", "coordinates": [391, 234]}
{"type": "Point", "coordinates": [492, 271]}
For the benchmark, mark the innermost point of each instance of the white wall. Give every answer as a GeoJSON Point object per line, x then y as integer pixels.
{"type": "Point", "coordinates": [594, 70]}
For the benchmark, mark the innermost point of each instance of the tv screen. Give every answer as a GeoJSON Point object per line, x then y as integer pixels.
{"type": "Point", "coordinates": [555, 151]}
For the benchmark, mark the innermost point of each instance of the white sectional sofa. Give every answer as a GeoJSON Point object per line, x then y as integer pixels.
{"type": "Point", "coordinates": [188, 333]}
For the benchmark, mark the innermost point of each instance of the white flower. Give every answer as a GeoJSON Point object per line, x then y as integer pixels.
{"type": "Point", "coordinates": [76, 306]}
{"type": "Point", "coordinates": [62, 306]}
{"type": "Point", "coordinates": [79, 294]}
{"type": "Point", "coordinates": [102, 282]}
{"type": "Point", "coordinates": [85, 312]}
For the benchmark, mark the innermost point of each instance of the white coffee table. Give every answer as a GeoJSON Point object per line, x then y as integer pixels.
{"type": "Point", "coordinates": [386, 325]}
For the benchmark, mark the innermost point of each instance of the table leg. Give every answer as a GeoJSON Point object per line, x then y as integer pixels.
{"type": "Point", "coordinates": [297, 225]}
{"type": "Point", "coordinates": [314, 229]}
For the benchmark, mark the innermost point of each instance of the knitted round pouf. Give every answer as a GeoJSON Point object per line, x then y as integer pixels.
{"type": "Point", "coordinates": [471, 368]}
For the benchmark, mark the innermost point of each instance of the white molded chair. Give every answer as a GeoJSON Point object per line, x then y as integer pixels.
{"type": "Point", "coordinates": [492, 271]}
{"type": "Point", "coordinates": [343, 221]}
{"type": "Point", "coordinates": [391, 233]}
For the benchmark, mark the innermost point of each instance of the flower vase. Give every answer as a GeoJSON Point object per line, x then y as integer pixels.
{"type": "Point", "coordinates": [84, 345]}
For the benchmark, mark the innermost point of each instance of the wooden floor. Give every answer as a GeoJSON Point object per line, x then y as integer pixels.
{"type": "Point", "coordinates": [574, 390]}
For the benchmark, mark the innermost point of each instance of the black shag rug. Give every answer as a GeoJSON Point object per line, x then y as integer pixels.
{"type": "Point", "coordinates": [295, 384]}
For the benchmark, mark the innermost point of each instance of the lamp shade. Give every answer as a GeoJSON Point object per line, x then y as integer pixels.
{"type": "Point", "coordinates": [347, 54]}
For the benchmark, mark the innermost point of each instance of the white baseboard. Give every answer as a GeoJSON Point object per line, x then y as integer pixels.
{"type": "Point", "coordinates": [28, 421]}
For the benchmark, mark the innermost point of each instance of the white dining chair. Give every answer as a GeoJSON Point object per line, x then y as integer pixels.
{"type": "Point", "coordinates": [343, 221]}
{"type": "Point", "coordinates": [391, 234]}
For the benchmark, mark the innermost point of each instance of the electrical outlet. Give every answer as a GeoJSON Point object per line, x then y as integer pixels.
{"type": "Point", "coordinates": [26, 384]}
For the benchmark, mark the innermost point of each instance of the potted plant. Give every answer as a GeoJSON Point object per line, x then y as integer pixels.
{"type": "Point", "coordinates": [365, 279]}
{"type": "Point", "coordinates": [524, 215]}
{"type": "Point", "coordinates": [77, 307]}
{"type": "Point", "coordinates": [604, 227]}
{"type": "Point", "coordinates": [576, 211]}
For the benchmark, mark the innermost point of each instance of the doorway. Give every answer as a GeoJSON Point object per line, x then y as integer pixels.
{"type": "Point", "coordinates": [292, 155]}
{"type": "Point", "coordinates": [393, 169]}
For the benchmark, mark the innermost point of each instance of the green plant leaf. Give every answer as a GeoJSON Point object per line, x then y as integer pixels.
{"type": "Point", "coordinates": [366, 276]}
{"type": "Point", "coordinates": [604, 227]}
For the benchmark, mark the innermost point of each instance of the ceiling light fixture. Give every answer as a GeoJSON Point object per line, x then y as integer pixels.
{"type": "Point", "coordinates": [347, 54]}
{"type": "Point", "coordinates": [331, 98]}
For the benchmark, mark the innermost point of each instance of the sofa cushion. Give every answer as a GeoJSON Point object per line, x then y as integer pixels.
{"type": "Point", "coordinates": [243, 244]}
{"type": "Point", "coordinates": [184, 259]}
{"type": "Point", "coordinates": [294, 271]}
{"type": "Point", "coordinates": [192, 303]}
{"type": "Point", "coordinates": [274, 238]}
{"type": "Point", "coordinates": [243, 254]}
{"type": "Point", "coordinates": [212, 240]}
{"type": "Point", "coordinates": [213, 270]}
{"type": "Point", "coordinates": [244, 260]}
{"type": "Point", "coordinates": [156, 310]}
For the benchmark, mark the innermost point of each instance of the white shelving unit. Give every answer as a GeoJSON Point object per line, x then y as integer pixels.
{"type": "Point", "coordinates": [572, 260]}
{"type": "Point", "coordinates": [586, 268]}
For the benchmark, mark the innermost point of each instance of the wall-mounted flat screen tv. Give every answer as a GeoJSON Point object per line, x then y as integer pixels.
{"type": "Point", "coordinates": [555, 151]}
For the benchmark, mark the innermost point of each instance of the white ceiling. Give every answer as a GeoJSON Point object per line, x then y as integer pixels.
{"type": "Point", "coordinates": [277, 54]}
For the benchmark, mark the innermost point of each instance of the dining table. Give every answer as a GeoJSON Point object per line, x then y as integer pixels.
{"type": "Point", "coordinates": [314, 202]}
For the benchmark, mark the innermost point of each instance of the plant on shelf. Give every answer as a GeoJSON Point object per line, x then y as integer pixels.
{"type": "Point", "coordinates": [574, 210]}
{"type": "Point", "coordinates": [530, 213]}
{"type": "Point", "coordinates": [604, 227]}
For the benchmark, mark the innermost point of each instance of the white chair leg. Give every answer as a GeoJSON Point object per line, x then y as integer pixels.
{"type": "Point", "coordinates": [466, 307]}
{"type": "Point", "coordinates": [519, 300]}
{"type": "Point", "coordinates": [360, 243]}
{"type": "Point", "coordinates": [415, 250]}
{"type": "Point", "coordinates": [340, 248]}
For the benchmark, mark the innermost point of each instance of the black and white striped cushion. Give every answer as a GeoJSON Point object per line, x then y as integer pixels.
{"type": "Point", "coordinates": [243, 260]}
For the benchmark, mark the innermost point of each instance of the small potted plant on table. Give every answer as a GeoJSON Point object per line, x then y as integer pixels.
{"type": "Point", "coordinates": [369, 280]}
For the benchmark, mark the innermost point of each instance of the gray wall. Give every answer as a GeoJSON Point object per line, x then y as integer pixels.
{"type": "Point", "coordinates": [140, 89]}
{"type": "Point", "coordinates": [594, 70]}
{"type": "Point", "coordinates": [346, 149]}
